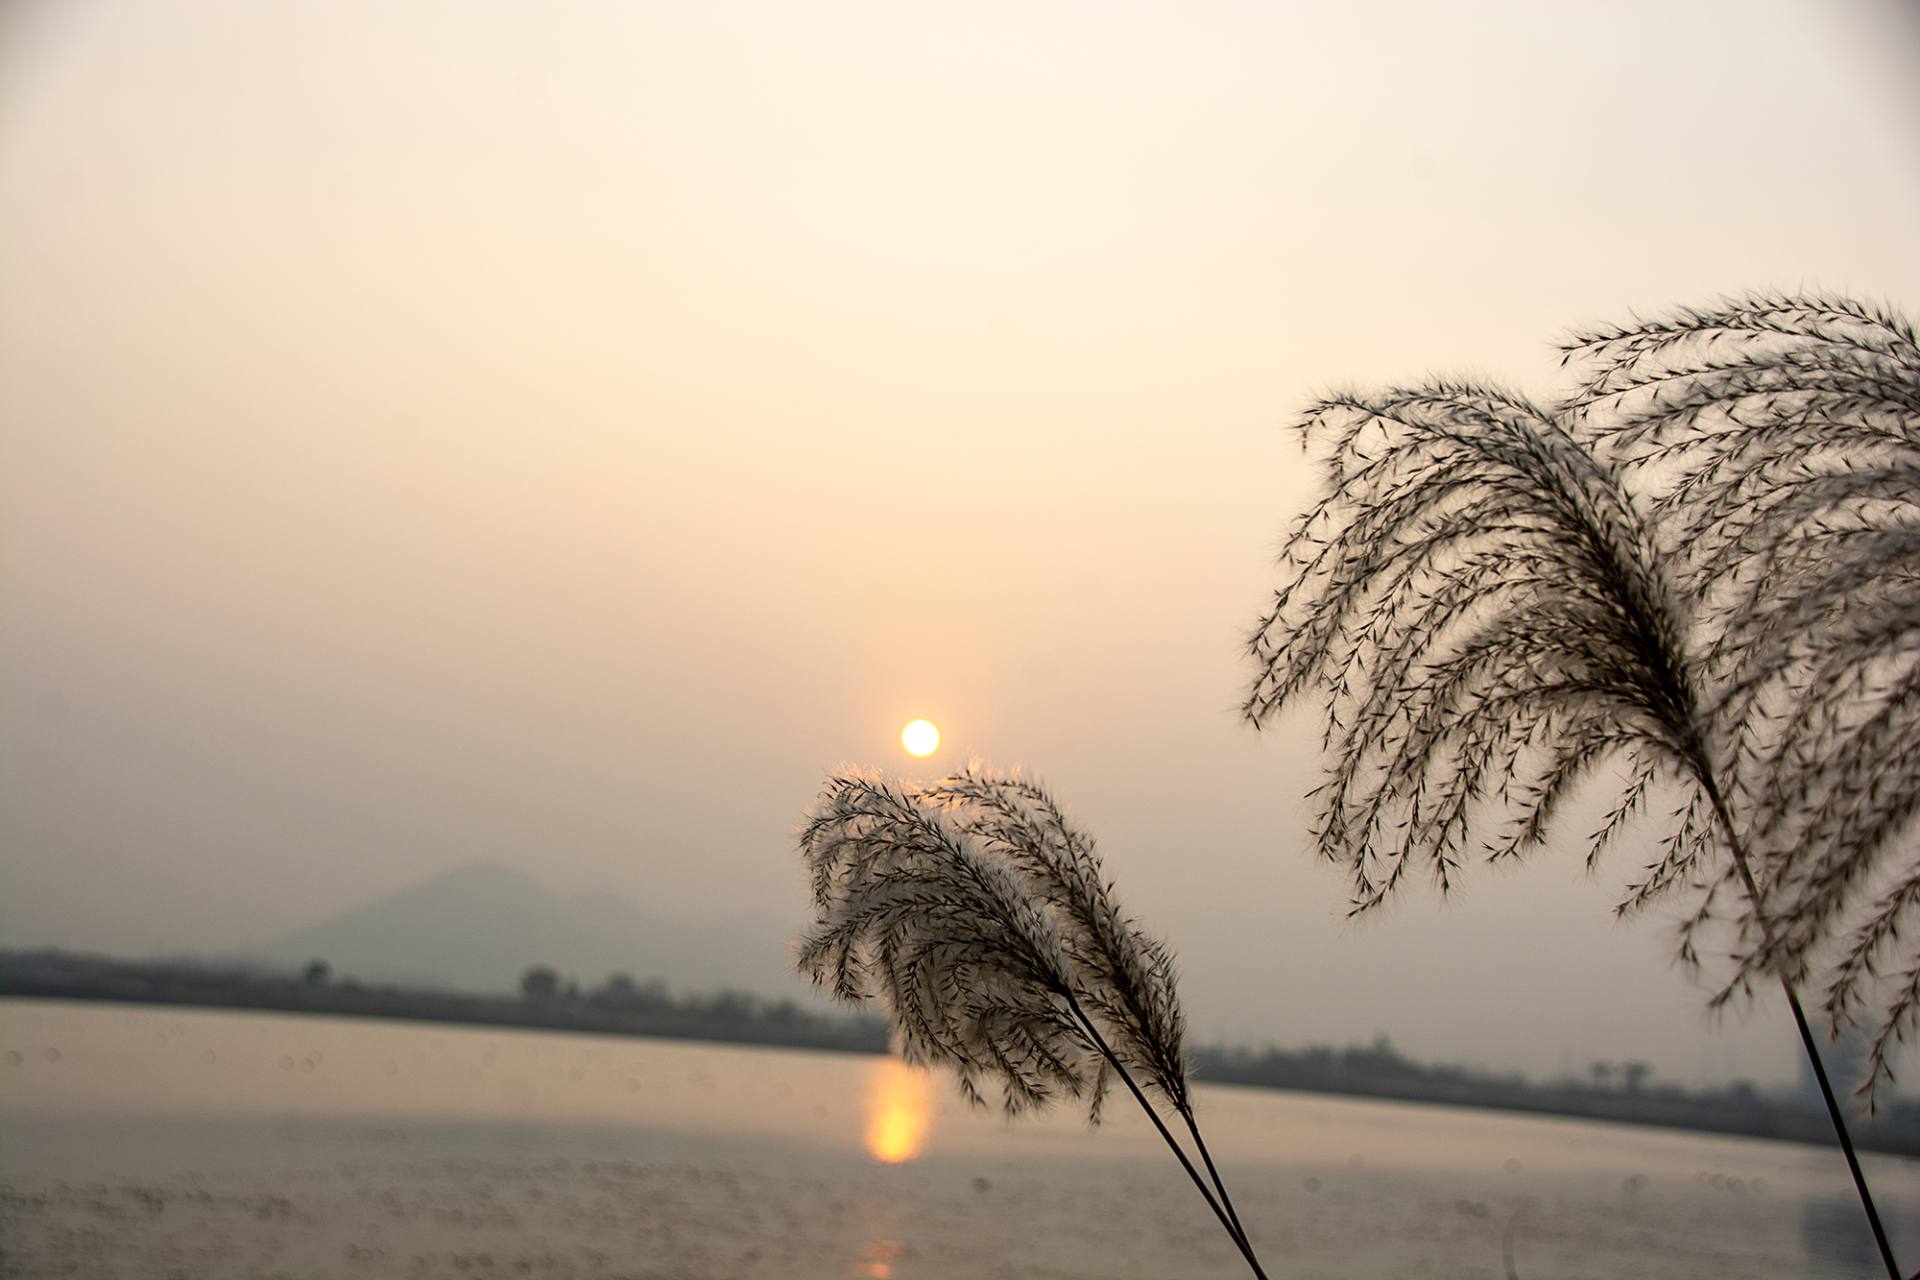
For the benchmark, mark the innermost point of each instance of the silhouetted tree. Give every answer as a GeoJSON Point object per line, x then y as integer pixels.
{"type": "Point", "coordinates": [621, 992]}
{"type": "Point", "coordinates": [317, 973]}
{"type": "Point", "coordinates": [729, 1006]}
{"type": "Point", "coordinates": [1633, 1076]}
{"type": "Point", "coordinates": [540, 983]}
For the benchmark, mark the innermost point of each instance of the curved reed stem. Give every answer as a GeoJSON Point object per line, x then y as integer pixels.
{"type": "Point", "coordinates": [1840, 1128]}
{"type": "Point", "coordinates": [982, 919]}
{"type": "Point", "coordinates": [1193, 1127]}
{"type": "Point", "coordinates": [1230, 1224]}
{"type": "Point", "coordinates": [1483, 608]}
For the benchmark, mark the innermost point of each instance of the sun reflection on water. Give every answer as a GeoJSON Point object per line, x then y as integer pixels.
{"type": "Point", "coordinates": [877, 1260]}
{"type": "Point", "coordinates": [899, 1111]}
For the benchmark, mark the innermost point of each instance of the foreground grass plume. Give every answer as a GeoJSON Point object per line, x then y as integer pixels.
{"type": "Point", "coordinates": [1475, 603]}
{"type": "Point", "coordinates": [1777, 439]}
{"type": "Point", "coordinates": [979, 918]}
{"type": "Point", "coordinates": [1699, 569]}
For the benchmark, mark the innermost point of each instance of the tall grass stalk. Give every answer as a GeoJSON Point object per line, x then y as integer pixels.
{"type": "Point", "coordinates": [1778, 439]}
{"type": "Point", "coordinates": [1778, 442]}
{"type": "Point", "coordinates": [980, 919]}
{"type": "Point", "coordinates": [1481, 610]}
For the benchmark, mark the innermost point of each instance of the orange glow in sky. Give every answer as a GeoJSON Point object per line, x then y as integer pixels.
{"type": "Point", "coordinates": [899, 1111]}
{"type": "Point", "coordinates": [501, 421]}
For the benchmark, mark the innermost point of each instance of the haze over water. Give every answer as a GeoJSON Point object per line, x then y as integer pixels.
{"type": "Point", "coordinates": [163, 1142]}
{"type": "Point", "coordinates": [470, 432]}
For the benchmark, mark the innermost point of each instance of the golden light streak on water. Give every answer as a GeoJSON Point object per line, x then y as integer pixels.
{"type": "Point", "coordinates": [899, 1111]}
{"type": "Point", "coordinates": [877, 1262]}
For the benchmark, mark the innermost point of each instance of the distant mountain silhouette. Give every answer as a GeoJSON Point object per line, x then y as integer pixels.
{"type": "Point", "coordinates": [478, 927]}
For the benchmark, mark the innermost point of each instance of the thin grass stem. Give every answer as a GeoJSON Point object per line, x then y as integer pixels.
{"type": "Point", "coordinates": [1229, 1225]}
{"type": "Point", "coordinates": [1840, 1127]}
{"type": "Point", "coordinates": [1193, 1127]}
{"type": "Point", "coordinates": [979, 916]}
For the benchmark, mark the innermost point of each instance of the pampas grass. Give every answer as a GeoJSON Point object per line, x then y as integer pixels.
{"type": "Point", "coordinates": [980, 919]}
{"type": "Point", "coordinates": [1777, 439]}
{"type": "Point", "coordinates": [1475, 604]}
{"type": "Point", "coordinates": [1702, 569]}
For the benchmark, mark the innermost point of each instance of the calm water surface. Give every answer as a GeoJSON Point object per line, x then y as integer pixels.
{"type": "Point", "coordinates": [155, 1142]}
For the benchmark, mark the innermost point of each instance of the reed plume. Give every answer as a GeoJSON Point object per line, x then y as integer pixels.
{"type": "Point", "coordinates": [1488, 618]}
{"type": "Point", "coordinates": [980, 919]}
{"type": "Point", "coordinates": [1476, 604]}
{"type": "Point", "coordinates": [1778, 441]}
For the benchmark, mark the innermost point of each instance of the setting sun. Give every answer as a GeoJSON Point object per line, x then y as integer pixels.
{"type": "Point", "coordinates": [920, 738]}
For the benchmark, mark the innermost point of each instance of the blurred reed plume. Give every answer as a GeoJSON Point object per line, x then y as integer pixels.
{"type": "Point", "coordinates": [1700, 570]}
{"type": "Point", "coordinates": [1476, 603]}
{"type": "Point", "coordinates": [979, 917]}
{"type": "Point", "coordinates": [1777, 440]}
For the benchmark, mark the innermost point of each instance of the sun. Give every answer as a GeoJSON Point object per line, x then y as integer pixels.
{"type": "Point", "coordinates": [920, 738]}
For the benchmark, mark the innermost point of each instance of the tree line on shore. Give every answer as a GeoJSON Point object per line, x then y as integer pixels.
{"type": "Point", "coordinates": [619, 1006]}
{"type": "Point", "coordinates": [623, 1005]}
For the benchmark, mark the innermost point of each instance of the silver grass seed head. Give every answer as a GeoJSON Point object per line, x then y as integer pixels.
{"type": "Point", "coordinates": [1776, 438]}
{"type": "Point", "coordinates": [1475, 607]}
{"type": "Point", "coordinates": [977, 915]}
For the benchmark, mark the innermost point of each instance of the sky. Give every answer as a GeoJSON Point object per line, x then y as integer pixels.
{"type": "Point", "coordinates": [562, 435]}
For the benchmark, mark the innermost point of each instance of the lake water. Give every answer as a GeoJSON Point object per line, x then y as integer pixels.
{"type": "Point", "coordinates": [138, 1141]}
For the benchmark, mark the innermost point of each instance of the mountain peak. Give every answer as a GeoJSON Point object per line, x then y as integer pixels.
{"type": "Point", "coordinates": [481, 877]}
{"type": "Point", "coordinates": [478, 926]}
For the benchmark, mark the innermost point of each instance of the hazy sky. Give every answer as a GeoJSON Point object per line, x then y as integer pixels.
{"type": "Point", "coordinates": [559, 435]}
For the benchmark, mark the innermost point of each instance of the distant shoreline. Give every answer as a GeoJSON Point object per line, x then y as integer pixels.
{"type": "Point", "coordinates": [1376, 1072]}
{"type": "Point", "coordinates": [441, 1018]}
{"type": "Point", "coordinates": [734, 1021]}
{"type": "Point", "coordinates": [1731, 1113]}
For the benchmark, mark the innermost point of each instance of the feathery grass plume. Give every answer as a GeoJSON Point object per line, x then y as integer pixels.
{"type": "Point", "coordinates": [1475, 602]}
{"type": "Point", "coordinates": [1778, 438]}
{"type": "Point", "coordinates": [1123, 978]}
{"type": "Point", "coordinates": [972, 970]}
{"type": "Point", "coordinates": [981, 919]}
{"type": "Point", "coordinates": [1484, 611]}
